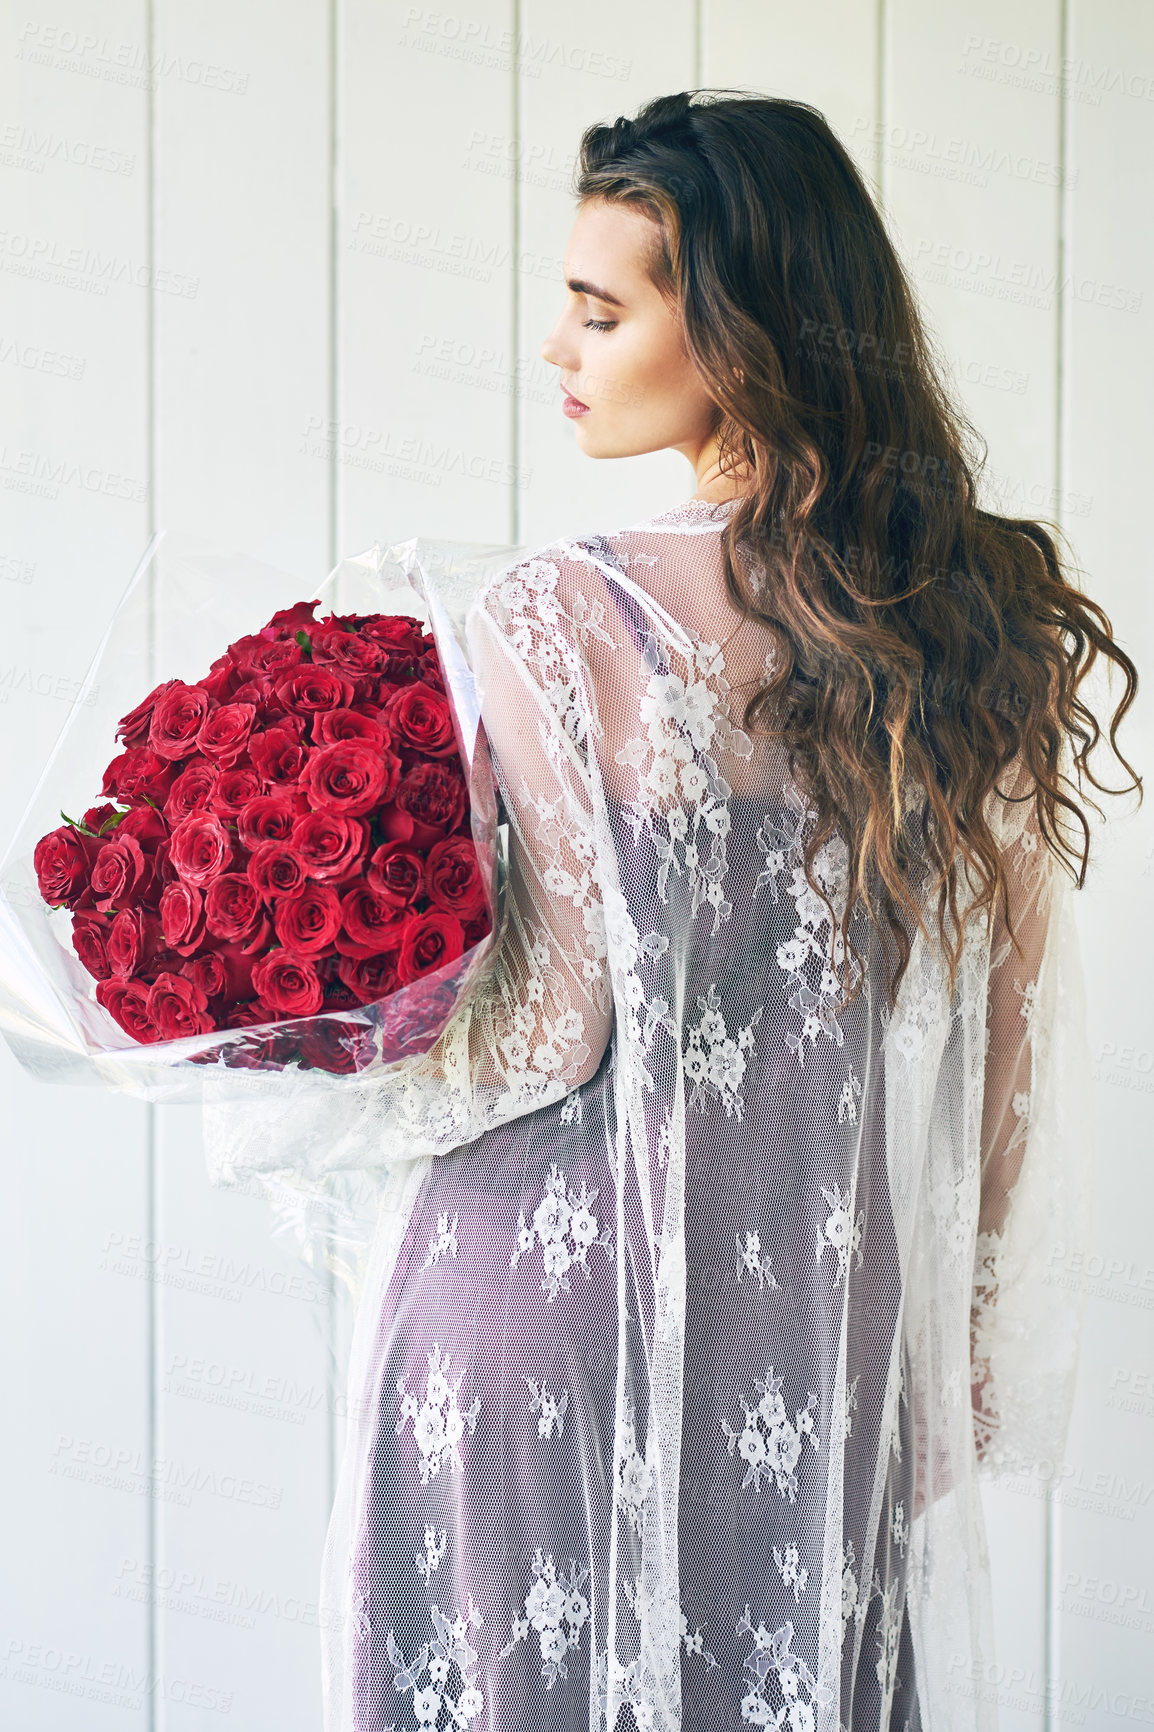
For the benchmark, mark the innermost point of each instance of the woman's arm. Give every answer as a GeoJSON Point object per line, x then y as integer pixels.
{"type": "Point", "coordinates": [1036, 1152]}
{"type": "Point", "coordinates": [536, 1025]}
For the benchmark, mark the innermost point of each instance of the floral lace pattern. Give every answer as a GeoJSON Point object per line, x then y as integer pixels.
{"type": "Point", "coordinates": [768, 1442]}
{"type": "Point", "coordinates": [557, 1609]}
{"type": "Point", "coordinates": [566, 1228]}
{"type": "Point", "coordinates": [438, 1422]}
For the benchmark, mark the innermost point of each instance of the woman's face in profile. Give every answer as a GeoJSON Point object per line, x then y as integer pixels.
{"type": "Point", "coordinates": [618, 344]}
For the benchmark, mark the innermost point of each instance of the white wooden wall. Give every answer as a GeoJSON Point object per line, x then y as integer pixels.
{"type": "Point", "coordinates": [349, 286]}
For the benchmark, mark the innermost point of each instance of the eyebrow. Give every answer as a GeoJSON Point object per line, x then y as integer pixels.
{"type": "Point", "coordinates": [583, 288]}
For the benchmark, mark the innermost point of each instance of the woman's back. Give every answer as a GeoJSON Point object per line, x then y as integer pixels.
{"type": "Point", "coordinates": [664, 1368]}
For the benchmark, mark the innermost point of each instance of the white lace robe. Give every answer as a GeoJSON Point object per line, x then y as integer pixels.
{"type": "Point", "coordinates": [660, 1391]}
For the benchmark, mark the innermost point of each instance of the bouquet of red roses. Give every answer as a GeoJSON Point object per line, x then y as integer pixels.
{"type": "Point", "coordinates": [287, 835]}
{"type": "Point", "coordinates": [294, 859]}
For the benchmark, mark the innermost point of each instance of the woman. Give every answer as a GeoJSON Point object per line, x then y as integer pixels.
{"type": "Point", "coordinates": [757, 1139]}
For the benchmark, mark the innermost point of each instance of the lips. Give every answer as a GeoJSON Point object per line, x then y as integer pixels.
{"type": "Point", "coordinates": [570, 398]}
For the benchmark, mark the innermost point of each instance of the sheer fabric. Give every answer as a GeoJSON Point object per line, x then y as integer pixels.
{"type": "Point", "coordinates": [698, 1296]}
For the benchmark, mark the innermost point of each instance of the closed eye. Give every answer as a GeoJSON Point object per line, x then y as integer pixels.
{"type": "Point", "coordinates": [599, 324]}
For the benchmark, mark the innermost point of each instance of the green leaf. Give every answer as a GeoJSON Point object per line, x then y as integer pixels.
{"type": "Point", "coordinates": [81, 829]}
{"type": "Point", "coordinates": [303, 640]}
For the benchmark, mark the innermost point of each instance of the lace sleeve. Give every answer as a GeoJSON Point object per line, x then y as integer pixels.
{"type": "Point", "coordinates": [1036, 1177]}
{"type": "Point", "coordinates": [537, 1022]}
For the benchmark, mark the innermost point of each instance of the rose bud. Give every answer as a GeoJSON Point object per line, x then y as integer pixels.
{"type": "Point", "coordinates": [369, 977]}
{"type": "Point", "coordinates": [422, 719]}
{"type": "Point", "coordinates": [269, 818]}
{"type": "Point", "coordinates": [276, 869]}
{"type": "Point", "coordinates": [201, 849]}
{"type": "Point", "coordinates": [63, 864]}
{"type": "Point", "coordinates": [177, 719]}
{"type": "Point", "coordinates": [133, 728]}
{"type": "Point", "coordinates": [453, 878]}
{"type": "Point", "coordinates": [277, 755]}
{"type": "Point", "coordinates": [90, 940]}
{"type": "Point", "coordinates": [178, 1007]}
{"type": "Point", "coordinates": [191, 791]}
{"type": "Point", "coordinates": [233, 909]}
{"type": "Point", "coordinates": [182, 917]}
{"type": "Point", "coordinates": [146, 824]}
{"type": "Point", "coordinates": [372, 923]}
{"type": "Point", "coordinates": [349, 778]}
{"type": "Point", "coordinates": [223, 736]}
{"type": "Point", "coordinates": [219, 679]}
{"type": "Point", "coordinates": [331, 845]}
{"type": "Point", "coordinates": [288, 984]}
{"type": "Point", "coordinates": [309, 689]}
{"type": "Point", "coordinates": [430, 940]}
{"type": "Point", "coordinates": [308, 923]}
{"type": "Point", "coordinates": [397, 872]}
{"type": "Point", "coordinates": [120, 872]}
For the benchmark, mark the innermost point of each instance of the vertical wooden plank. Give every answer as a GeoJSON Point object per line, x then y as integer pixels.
{"type": "Point", "coordinates": [421, 437]}
{"type": "Point", "coordinates": [74, 263]}
{"type": "Point", "coordinates": [1103, 1585]}
{"type": "Point", "coordinates": [243, 187]}
{"type": "Point", "coordinates": [577, 68]}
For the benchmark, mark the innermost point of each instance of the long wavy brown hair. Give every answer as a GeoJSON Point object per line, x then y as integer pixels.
{"type": "Point", "coordinates": [920, 640]}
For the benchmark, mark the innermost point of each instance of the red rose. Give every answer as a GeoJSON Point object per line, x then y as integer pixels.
{"type": "Point", "coordinates": [146, 825]}
{"type": "Point", "coordinates": [127, 1002]}
{"type": "Point", "coordinates": [201, 849]}
{"type": "Point", "coordinates": [336, 1045]}
{"type": "Point", "coordinates": [453, 878]}
{"type": "Point", "coordinates": [138, 774]}
{"type": "Point", "coordinates": [133, 728]}
{"type": "Point", "coordinates": [299, 617]}
{"type": "Point", "coordinates": [372, 923]}
{"type": "Point", "coordinates": [335, 725]}
{"type": "Point", "coordinates": [309, 689]}
{"type": "Point", "coordinates": [177, 719]}
{"type": "Point", "coordinates": [277, 755]}
{"type": "Point", "coordinates": [224, 974]}
{"type": "Point", "coordinates": [369, 977]}
{"type": "Point", "coordinates": [131, 942]}
{"type": "Point", "coordinates": [223, 737]}
{"type": "Point", "coordinates": [276, 870]}
{"type": "Point", "coordinates": [308, 923]}
{"type": "Point", "coordinates": [233, 909]}
{"type": "Point", "coordinates": [430, 672]}
{"type": "Point", "coordinates": [191, 791]}
{"type": "Point", "coordinates": [234, 789]}
{"type": "Point", "coordinates": [399, 632]}
{"type": "Point", "coordinates": [422, 719]}
{"type": "Point", "coordinates": [89, 940]}
{"type": "Point", "coordinates": [63, 863]}
{"type": "Point", "coordinates": [349, 778]}
{"type": "Point", "coordinates": [430, 940]}
{"type": "Point", "coordinates": [120, 872]}
{"type": "Point", "coordinates": [288, 984]}
{"type": "Point", "coordinates": [430, 803]}
{"type": "Point", "coordinates": [397, 871]}
{"type": "Point", "coordinates": [178, 1007]}
{"type": "Point", "coordinates": [277, 656]}
{"type": "Point", "coordinates": [268, 818]}
{"type": "Point", "coordinates": [330, 844]}
{"type": "Point", "coordinates": [219, 679]}
{"type": "Point", "coordinates": [355, 657]}
{"type": "Point", "coordinates": [182, 917]}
